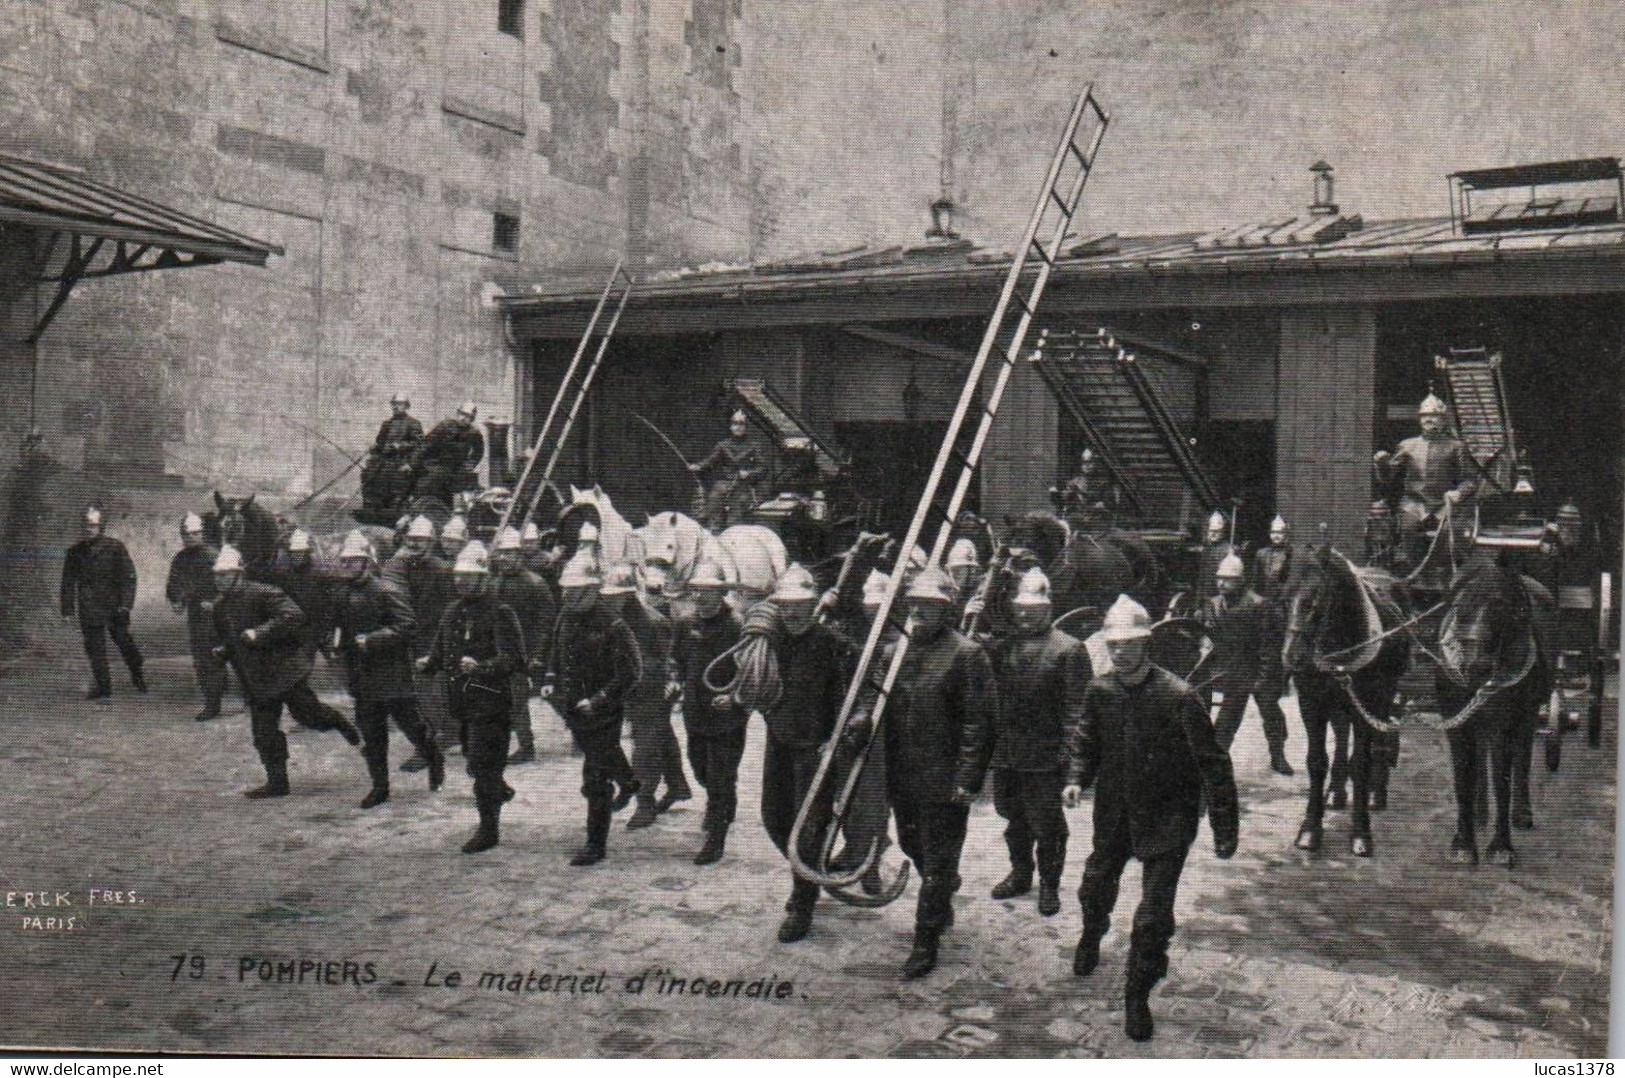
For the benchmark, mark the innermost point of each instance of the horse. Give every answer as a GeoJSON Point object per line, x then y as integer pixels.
{"type": "Point", "coordinates": [254, 530]}
{"type": "Point", "coordinates": [1084, 570]}
{"type": "Point", "coordinates": [672, 545]}
{"type": "Point", "coordinates": [1493, 674]}
{"type": "Point", "coordinates": [616, 540]}
{"type": "Point", "coordinates": [1346, 672]}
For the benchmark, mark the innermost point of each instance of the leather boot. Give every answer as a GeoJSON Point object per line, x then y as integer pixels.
{"type": "Point", "coordinates": [625, 794]}
{"type": "Point", "coordinates": [437, 767]}
{"type": "Point", "coordinates": [137, 678]}
{"type": "Point", "coordinates": [675, 792]}
{"type": "Point", "coordinates": [797, 922]}
{"type": "Point", "coordinates": [378, 769]}
{"type": "Point", "coordinates": [711, 850]}
{"type": "Point", "coordinates": [1019, 882]}
{"type": "Point", "coordinates": [1049, 898]}
{"type": "Point", "coordinates": [1143, 973]}
{"type": "Point", "coordinates": [592, 851]}
{"type": "Point", "coordinates": [1087, 955]}
{"type": "Point", "coordinates": [923, 958]}
{"type": "Point", "coordinates": [1278, 762]}
{"type": "Point", "coordinates": [486, 836]}
{"type": "Point", "coordinates": [645, 815]}
{"type": "Point", "coordinates": [526, 752]}
{"type": "Point", "coordinates": [414, 763]}
{"type": "Point", "coordinates": [276, 782]}
{"type": "Point", "coordinates": [347, 729]}
{"type": "Point", "coordinates": [211, 710]}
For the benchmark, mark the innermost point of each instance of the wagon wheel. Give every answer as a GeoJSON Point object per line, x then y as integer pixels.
{"type": "Point", "coordinates": [1599, 659]}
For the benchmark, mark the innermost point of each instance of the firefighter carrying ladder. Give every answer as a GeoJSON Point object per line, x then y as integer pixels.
{"type": "Point", "coordinates": [1478, 400]}
{"type": "Point", "coordinates": [528, 491]}
{"type": "Point", "coordinates": [1056, 206]}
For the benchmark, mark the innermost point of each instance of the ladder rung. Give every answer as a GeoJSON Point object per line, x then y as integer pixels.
{"type": "Point", "coordinates": [1038, 249]}
{"type": "Point", "coordinates": [1066, 211]}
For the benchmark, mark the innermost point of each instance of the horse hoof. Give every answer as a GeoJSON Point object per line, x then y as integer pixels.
{"type": "Point", "coordinates": [1309, 839]}
{"type": "Point", "coordinates": [1464, 855]}
{"type": "Point", "coordinates": [1362, 846]}
{"type": "Point", "coordinates": [1503, 856]}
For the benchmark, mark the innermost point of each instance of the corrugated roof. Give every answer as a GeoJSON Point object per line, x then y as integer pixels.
{"type": "Point", "coordinates": [53, 196]}
{"type": "Point", "coordinates": [1409, 243]}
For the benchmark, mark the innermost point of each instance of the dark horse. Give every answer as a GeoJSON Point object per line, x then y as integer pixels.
{"type": "Point", "coordinates": [1493, 676]}
{"type": "Point", "coordinates": [1346, 674]}
{"type": "Point", "coordinates": [1084, 570]}
{"type": "Point", "coordinates": [254, 530]}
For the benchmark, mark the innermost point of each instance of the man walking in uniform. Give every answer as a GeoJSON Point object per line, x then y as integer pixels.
{"type": "Point", "coordinates": [1215, 547]}
{"type": "Point", "coordinates": [424, 578]}
{"type": "Point", "coordinates": [479, 644]}
{"type": "Point", "coordinates": [1146, 744]}
{"type": "Point", "coordinates": [190, 590]}
{"type": "Point", "coordinates": [98, 585]}
{"type": "Point", "coordinates": [1246, 634]}
{"type": "Point", "coordinates": [1042, 674]}
{"type": "Point", "coordinates": [532, 600]}
{"type": "Point", "coordinates": [714, 721]}
{"type": "Point", "coordinates": [656, 756]}
{"type": "Point", "coordinates": [1272, 564]}
{"type": "Point", "coordinates": [594, 666]}
{"type": "Point", "coordinates": [375, 625]}
{"type": "Point", "coordinates": [262, 634]}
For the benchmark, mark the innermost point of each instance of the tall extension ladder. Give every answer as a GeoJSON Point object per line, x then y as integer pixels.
{"type": "Point", "coordinates": [1056, 206]}
{"type": "Point", "coordinates": [1478, 397]}
{"type": "Point", "coordinates": [522, 491]}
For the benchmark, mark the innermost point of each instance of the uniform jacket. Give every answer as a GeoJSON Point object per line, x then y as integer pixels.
{"type": "Point", "coordinates": [191, 577]}
{"type": "Point", "coordinates": [1208, 567]}
{"type": "Point", "coordinates": [731, 456]}
{"type": "Point", "coordinates": [939, 721]}
{"type": "Point", "coordinates": [531, 599]}
{"type": "Point", "coordinates": [307, 586]}
{"type": "Point", "coordinates": [98, 580]}
{"type": "Point", "coordinates": [698, 641]}
{"type": "Point", "coordinates": [398, 437]}
{"type": "Point", "coordinates": [425, 580]}
{"type": "Point", "coordinates": [594, 657]}
{"type": "Point", "coordinates": [1272, 571]}
{"type": "Point", "coordinates": [1246, 634]}
{"type": "Point", "coordinates": [1430, 467]}
{"type": "Point", "coordinates": [451, 447]}
{"type": "Point", "coordinates": [488, 632]}
{"type": "Point", "coordinates": [278, 660]}
{"type": "Point", "coordinates": [1041, 679]}
{"type": "Point", "coordinates": [1149, 750]}
{"type": "Point", "coordinates": [814, 670]}
{"type": "Point", "coordinates": [653, 631]}
{"type": "Point", "coordinates": [381, 668]}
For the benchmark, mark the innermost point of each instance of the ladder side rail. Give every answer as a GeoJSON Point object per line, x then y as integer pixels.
{"type": "Point", "coordinates": [1510, 434]}
{"type": "Point", "coordinates": [558, 397]}
{"type": "Point", "coordinates": [801, 427]}
{"type": "Point", "coordinates": [1167, 429]}
{"type": "Point", "coordinates": [1073, 407]}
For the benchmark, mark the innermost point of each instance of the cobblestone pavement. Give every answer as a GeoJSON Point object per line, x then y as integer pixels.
{"type": "Point", "coordinates": [1278, 953]}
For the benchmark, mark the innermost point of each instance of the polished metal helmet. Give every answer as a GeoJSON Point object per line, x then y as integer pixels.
{"type": "Point", "coordinates": [1126, 620]}
{"type": "Point", "coordinates": [932, 584]}
{"type": "Point", "coordinates": [963, 555]}
{"type": "Point", "coordinates": [1032, 590]}
{"type": "Point", "coordinates": [874, 588]}
{"type": "Point", "coordinates": [588, 533]}
{"type": "Point", "coordinates": [531, 534]}
{"type": "Point", "coordinates": [739, 416]}
{"type": "Point", "coordinates": [580, 571]}
{"type": "Point", "coordinates": [708, 576]}
{"type": "Point", "coordinates": [1217, 522]}
{"type": "Point", "coordinates": [93, 516]}
{"type": "Point", "coordinates": [401, 398]}
{"type": "Point", "coordinates": [355, 546]}
{"type": "Point", "coordinates": [1231, 568]}
{"type": "Point", "coordinates": [299, 541]}
{"type": "Point", "coordinates": [473, 558]}
{"type": "Point", "coordinates": [1431, 405]}
{"type": "Point", "coordinates": [420, 528]}
{"type": "Point", "coordinates": [1278, 524]}
{"type": "Point", "coordinates": [508, 539]}
{"type": "Point", "coordinates": [794, 585]}
{"type": "Point", "coordinates": [468, 408]}
{"type": "Point", "coordinates": [191, 524]}
{"type": "Point", "coordinates": [455, 530]}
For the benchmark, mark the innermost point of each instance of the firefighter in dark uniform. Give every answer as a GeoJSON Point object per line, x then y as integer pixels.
{"type": "Point", "coordinates": [386, 475]}
{"type": "Point", "coordinates": [307, 584]}
{"type": "Point", "coordinates": [446, 462]}
{"type": "Point", "coordinates": [1246, 634]}
{"type": "Point", "coordinates": [1436, 470]}
{"type": "Point", "coordinates": [1272, 564]}
{"type": "Point", "coordinates": [480, 646]}
{"type": "Point", "coordinates": [1146, 744]}
{"type": "Point", "coordinates": [1082, 491]}
{"type": "Point", "coordinates": [939, 738]}
{"type": "Point", "coordinates": [814, 668]}
{"type": "Point", "coordinates": [734, 466]}
{"type": "Point", "coordinates": [868, 813]}
{"type": "Point", "coordinates": [715, 722]}
{"type": "Point", "coordinates": [530, 598]}
{"type": "Point", "coordinates": [376, 625]}
{"type": "Point", "coordinates": [190, 590]}
{"type": "Point", "coordinates": [656, 756]}
{"type": "Point", "coordinates": [1215, 548]}
{"type": "Point", "coordinates": [1042, 673]}
{"type": "Point", "coordinates": [594, 666]}
{"type": "Point", "coordinates": [453, 534]}
{"type": "Point", "coordinates": [424, 578]}
{"type": "Point", "coordinates": [98, 585]}
{"type": "Point", "coordinates": [262, 634]}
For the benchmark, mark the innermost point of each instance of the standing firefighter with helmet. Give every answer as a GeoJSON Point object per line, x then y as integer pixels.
{"type": "Point", "coordinates": [449, 455]}
{"type": "Point", "coordinates": [594, 665]}
{"type": "Point", "coordinates": [1042, 674]}
{"type": "Point", "coordinates": [98, 585]}
{"type": "Point", "coordinates": [1145, 744]}
{"type": "Point", "coordinates": [715, 722]}
{"type": "Point", "coordinates": [532, 600]}
{"type": "Point", "coordinates": [480, 646]}
{"type": "Point", "coordinates": [376, 625]}
{"type": "Point", "coordinates": [424, 578]}
{"type": "Point", "coordinates": [386, 475]}
{"type": "Point", "coordinates": [1246, 632]}
{"type": "Point", "coordinates": [262, 633]}
{"type": "Point", "coordinates": [190, 589]}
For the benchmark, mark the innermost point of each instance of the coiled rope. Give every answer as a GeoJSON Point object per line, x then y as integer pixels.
{"type": "Point", "coordinates": [755, 683]}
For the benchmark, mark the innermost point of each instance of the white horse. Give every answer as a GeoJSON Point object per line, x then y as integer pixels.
{"type": "Point", "coordinates": [617, 542]}
{"type": "Point", "coordinates": [673, 545]}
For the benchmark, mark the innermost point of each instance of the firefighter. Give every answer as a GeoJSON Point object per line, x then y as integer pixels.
{"type": "Point", "coordinates": [386, 475]}
{"type": "Point", "coordinates": [938, 744]}
{"type": "Point", "coordinates": [1042, 674]}
{"type": "Point", "coordinates": [262, 634]}
{"type": "Point", "coordinates": [594, 666]}
{"type": "Point", "coordinates": [376, 627]}
{"type": "Point", "coordinates": [424, 578]}
{"type": "Point", "coordinates": [453, 535]}
{"type": "Point", "coordinates": [1272, 564]}
{"type": "Point", "coordinates": [714, 721]}
{"type": "Point", "coordinates": [1246, 633]}
{"type": "Point", "coordinates": [1215, 547]}
{"type": "Point", "coordinates": [448, 456]}
{"type": "Point", "coordinates": [964, 566]}
{"type": "Point", "coordinates": [656, 755]}
{"type": "Point", "coordinates": [531, 599]}
{"type": "Point", "coordinates": [734, 466]}
{"type": "Point", "coordinates": [98, 586]}
{"type": "Point", "coordinates": [190, 590]}
{"type": "Point", "coordinates": [480, 646]}
{"type": "Point", "coordinates": [868, 814]}
{"type": "Point", "coordinates": [1145, 743]}
{"type": "Point", "coordinates": [1088, 486]}
{"type": "Point", "coordinates": [814, 666]}
{"type": "Point", "coordinates": [1434, 469]}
